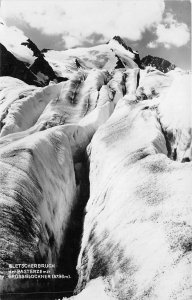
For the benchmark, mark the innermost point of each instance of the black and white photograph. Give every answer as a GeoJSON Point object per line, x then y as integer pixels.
{"type": "Point", "coordinates": [95, 150]}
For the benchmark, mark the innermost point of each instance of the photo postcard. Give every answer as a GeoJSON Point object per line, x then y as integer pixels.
{"type": "Point", "coordinates": [95, 150]}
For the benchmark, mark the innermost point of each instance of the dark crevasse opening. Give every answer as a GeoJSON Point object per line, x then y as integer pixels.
{"type": "Point", "coordinates": [69, 254]}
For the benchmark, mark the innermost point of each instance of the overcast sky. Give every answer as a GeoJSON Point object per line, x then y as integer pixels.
{"type": "Point", "coordinates": [157, 27]}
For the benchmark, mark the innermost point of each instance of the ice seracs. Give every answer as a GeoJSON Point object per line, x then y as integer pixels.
{"type": "Point", "coordinates": [36, 205]}
{"type": "Point", "coordinates": [136, 229]}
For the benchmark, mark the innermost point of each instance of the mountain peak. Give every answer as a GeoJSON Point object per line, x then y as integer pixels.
{"type": "Point", "coordinates": [160, 64]}
{"type": "Point", "coordinates": [117, 44]}
{"type": "Point", "coordinates": [122, 43]}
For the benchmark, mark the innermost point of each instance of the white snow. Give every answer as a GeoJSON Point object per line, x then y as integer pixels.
{"type": "Point", "coordinates": [11, 38]}
{"type": "Point", "coordinates": [102, 57]}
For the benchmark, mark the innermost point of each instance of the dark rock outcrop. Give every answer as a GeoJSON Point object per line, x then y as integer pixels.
{"type": "Point", "coordinates": [39, 73]}
{"type": "Point", "coordinates": [160, 64]}
{"type": "Point", "coordinates": [44, 50]}
{"type": "Point", "coordinates": [41, 67]}
{"type": "Point", "coordinates": [44, 71]}
{"type": "Point", "coordinates": [11, 66]}
{"type": "Point", "coordinates": [32, 47]}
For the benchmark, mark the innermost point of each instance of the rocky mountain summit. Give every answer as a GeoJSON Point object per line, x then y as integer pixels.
{"type": "Point", "coordinates": [160, 64]}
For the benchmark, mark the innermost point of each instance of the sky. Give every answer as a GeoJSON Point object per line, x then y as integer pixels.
{"type": "Point", "coordinates": [157, 27]}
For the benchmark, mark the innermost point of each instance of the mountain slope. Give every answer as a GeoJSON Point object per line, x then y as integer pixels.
{"type": "Point", "coordinates": [115, 54]}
